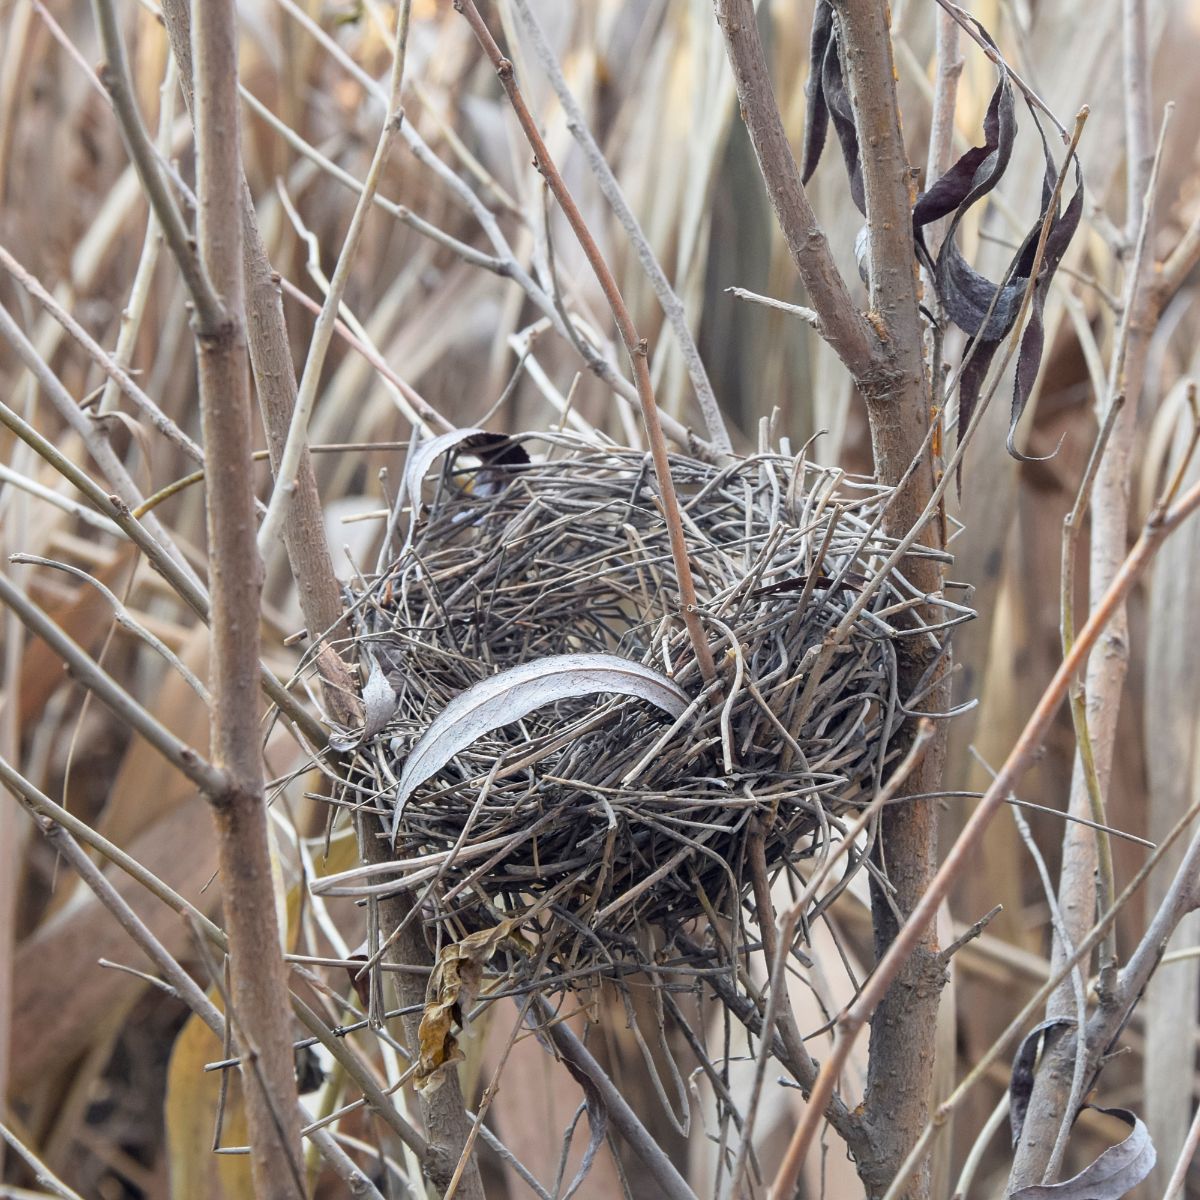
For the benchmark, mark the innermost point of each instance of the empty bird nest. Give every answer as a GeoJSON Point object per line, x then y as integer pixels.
{"type": "Point", "coordinates": [540, 747]}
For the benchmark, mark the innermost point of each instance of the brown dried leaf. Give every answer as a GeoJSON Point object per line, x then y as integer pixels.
{"type": "Point", "coordinates": [453, 986]}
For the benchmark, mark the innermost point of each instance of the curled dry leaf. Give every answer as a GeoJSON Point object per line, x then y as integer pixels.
{"type": "Point", "coordinates": [493, 449]}
{"type": "Point", "coordinates": [1114, 1174]}
{"type": "Point", "coordinates": [453, 986]}
{"type": "Point", "coordinates": [515, 693]}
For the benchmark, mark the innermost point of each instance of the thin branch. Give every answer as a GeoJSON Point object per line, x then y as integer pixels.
{"type": "Point", "coordinates": [666, 1178]}
{"type": "Point", "coordinates": [42, 1174]}
{"type": "Point", "coordinates": [672, 307]}
{"type": "Point", "coordinates": [809, 316]}
{"type": "Point", "coordinates": [843, 326]}
{"type": "Point", "coordinates": [179, 980]}
{"type": "Point", "coordinates": [258, 976]}
{"type": "Point", "coordinates": [118, 83]}
{"type": "Point", "coordinates": [851, 1020]}
{"type": "Point", "coordinates": [1106, 885]}
{"type": "Point", "coordinates": [124, 618]}
{"type": "Point", "coordinates": [941, 124]}
{"type": "Point", "coordinates": [635, 346]}
{"type": "Point", "coordinates": [116, 373]}
{"type": "Point", "coordinates": [64, 503]}
{"type": "Point", "coordinates": [1179, 263]}
{"type": "Point", "coordinates": [322, 335]}
{"type": "Point", "coordinates": [1187, 1156]}
{"type": "Point", "coordinates": [205, 775]}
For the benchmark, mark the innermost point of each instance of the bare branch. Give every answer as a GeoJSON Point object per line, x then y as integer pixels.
{"type": "Point", "coordinates": [116, 373]}
{"type": "Point", "coordinates": [41, 1173]}
{"type": "Point", "coordinates": [666, 1178]}
{"type": "Point", "coordinates": [635, 346]}
{"type": "Point", "coordinates": [671, 305]}
{"type": "Point", "coordinates": [297, 437]}
{"type": "Point", "coordinates": [843, 326]}
{"type": "Point", "coordinates": [258, 975]}
{"type": "Point", "coordinates": [809, 316]}
{"type": "Point", "coordinates": [1106, 673]}
{"type": "Point", "coordinates": [206, 776]}
{"type": "Point", "coordinates": [55, 824]}
{"type": "Point", "coordinates": [851, 1020]}
{"type": "Point", "coordinates": [119, 84]}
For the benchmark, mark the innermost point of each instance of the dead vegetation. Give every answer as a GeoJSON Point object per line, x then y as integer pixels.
{"type": "Point", "coordinates": [467, 302]}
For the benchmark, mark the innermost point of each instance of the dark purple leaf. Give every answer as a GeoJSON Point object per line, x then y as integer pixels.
{"type": "Point", "coordinates": [984, 310]}
{"type": "Point", "coordinates": [1020, 1086]}
{"type": "Point", "coordinates": [816, 119]}
{"type": "Point", "coordinates": [841, 112]}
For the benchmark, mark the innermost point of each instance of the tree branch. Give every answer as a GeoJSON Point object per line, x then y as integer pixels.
{"type": "Point", "coordinates": [671, 305]}
{"type": "Point", "coordinates": [1160, 525]}
{"type": "Point", "coordinates": [50, 819]}
{"type": "Point", "coordinates": [304, 537]}
{"type": "Point", "coordinates": [306, 396]}
{"type": "Point", "coordinates": [446, 1123]}
{"type": "Point", "coordinates": [258, 975]}
{"type": "Point", "coordinates": [842, 325]}
{"type": "Point", "coordinates": [118, 82]}
{"type": "Point", "coordinates": [635, 346]}
{"type": "Point", "coordinates": [1106, 673]}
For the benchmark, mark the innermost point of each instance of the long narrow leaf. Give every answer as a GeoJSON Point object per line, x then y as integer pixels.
{"type": "Point", "coordinates": [515, 693]}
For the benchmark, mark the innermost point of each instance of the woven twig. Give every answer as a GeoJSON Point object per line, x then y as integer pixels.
{"type": "Point", "coordinates": [599, 818]}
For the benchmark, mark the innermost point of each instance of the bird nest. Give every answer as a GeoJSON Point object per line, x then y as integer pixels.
{"type": "Point", "coordinates": [540, 745]}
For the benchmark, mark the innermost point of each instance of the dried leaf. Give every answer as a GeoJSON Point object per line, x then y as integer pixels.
{"type": "Point", "coordinates": [379, 703]}
{"type": "Point", "coordinates": [453, 986]}
{"type": "Point", "coordinates": [515, 693]}
{"type": "Point", "coordinates": [982, 309]}
{"type": "Point", "coordinates": [494, 449]}
{"type": "Point", "coordinates": [816, 121]}
{"type": "Point", "coordinates": [1114, 1174]}
{"type": "Point", "coordinates": [191, 1105]}
{"type": "Point", "coordinates": [1020, 1086]}
{"type": "Point", "coordinates": [358, 981]}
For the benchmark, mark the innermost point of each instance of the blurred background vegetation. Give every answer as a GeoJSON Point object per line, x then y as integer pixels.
{"type": "Point", "coordinates": [103, 1069]}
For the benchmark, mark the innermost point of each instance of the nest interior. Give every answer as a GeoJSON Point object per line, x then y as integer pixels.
{"type": "Point", "coordinates": [597, 818]}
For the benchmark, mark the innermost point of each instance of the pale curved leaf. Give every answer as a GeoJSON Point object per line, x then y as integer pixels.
{"type": "Point", "coordinates": [379, 703]}
{"type": "Point", "coordinates": [426, 454]}
{"type": "Point", "coordinates": [515, 693]}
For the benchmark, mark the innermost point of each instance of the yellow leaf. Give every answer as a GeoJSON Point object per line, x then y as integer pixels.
{"type": "Point", "coordinates": [453, 986]}
{"type": "Point", "coordinates": [191, 1108]}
